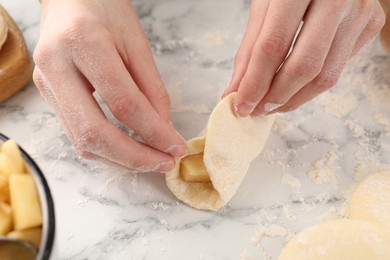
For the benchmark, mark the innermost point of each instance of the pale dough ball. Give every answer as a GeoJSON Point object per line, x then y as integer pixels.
{"type": "Point", "coordinates": [3, 30]}
{"type": "Point", "coordinates": [371, 199]}
{"type": "Point", "coordinates": [340, 239]}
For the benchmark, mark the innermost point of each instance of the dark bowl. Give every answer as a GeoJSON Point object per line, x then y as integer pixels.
{"type": "Point", "coordinates": [46, 250]}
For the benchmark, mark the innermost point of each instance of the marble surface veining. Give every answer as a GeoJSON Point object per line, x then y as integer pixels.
{"type": "Point", "coordinates": [312, 160]}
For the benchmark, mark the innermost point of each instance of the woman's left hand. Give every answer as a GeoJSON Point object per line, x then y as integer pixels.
{"type": "Point", "coordinates": [333, 31]}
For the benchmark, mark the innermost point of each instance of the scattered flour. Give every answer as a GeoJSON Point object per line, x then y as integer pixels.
{"type": "Point", "coordinates": [334, 213]}
{"type": "Point", "coordinates": [282, 126]}
{"type": "Point", "coordinates": [264, 214]}
{"type": "Point", "coordinates": [271, 231]}
{"type": "Point", "coordinates": [81, 203]}
{"type": "Point", "coordinates": [323, 170]}
{"type": "Point", "coordinates": [356, 129]}
{"type": "Point", "coordinates": [382, 119]}
{"type": "Point", "coordinates": [338, 104]}
{"type": "Point", "coordinates": [145, 241]}
{"type": "Point", "coordinates": [161, 206]}
{"type": "Point", "coordinates": [245, 255]}
{"type": "Point", "coordinates": [163, 221]}
{"type": "Point", "coordinates": [287, 213]}
{"type": "Point", "coordinates": [288, 179]}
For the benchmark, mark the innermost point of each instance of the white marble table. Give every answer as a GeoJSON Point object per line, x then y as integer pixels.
{"type": "Point", "coordinates": [312, 161]}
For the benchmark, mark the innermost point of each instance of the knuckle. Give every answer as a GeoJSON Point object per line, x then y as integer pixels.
{"type": "Point", "coordinates": [364, 6]}
{"type": "Point", "coordinates": [380, 20]}
{"type": "Point", "coordinates": [87, 140]}
{"type": "Point", "coordinates": [275, 44]}
{"type": "Point", "coordinates": [39, 82]}
{"type": "Point", "coordinates": [253, 90]}
{"type": "Point", "coordinates": [43, 55]}
{"type": "Point", "coordinates": [80, 31]}
{"type": "Point", "coordinates": [43, 88]}
{"type": "Point", "coordinates": [72, 31]}
{"type": "Point", "coordinates": [327, 79]}
{"type": "Point", "coordinates": [37, 77]}
{"type": "Point", "coordinates": [124, 106]}
{"type": "Point", "coordinates": [76, 26]}
{"type": "Point", "coordinates": [377, 21]}
{"type": "Point", "coordinates": [38, 54]}
{"type": "Point", "coordinates": [307, 66]}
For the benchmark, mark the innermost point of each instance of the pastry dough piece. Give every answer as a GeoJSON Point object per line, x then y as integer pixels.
{"type": "Point", "coordinates": [371, 199]}
{"type": "Point", "coordinates": [229, 145]}
{"type": "Point", "coordinates": [340, 239]}
{"type": "Point", "coordinates": [3, 31]}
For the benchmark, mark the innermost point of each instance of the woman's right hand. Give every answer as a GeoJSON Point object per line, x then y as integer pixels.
{"type": "Point", "coordinates": [98, 45]}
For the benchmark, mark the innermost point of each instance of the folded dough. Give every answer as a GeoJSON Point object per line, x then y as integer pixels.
{"type": "Point", "coordinates": [229, 145]}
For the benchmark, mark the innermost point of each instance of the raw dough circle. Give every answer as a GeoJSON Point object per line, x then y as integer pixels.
{"type": "Point", "coordinates": [3, 31]}
{"type": "Point", "coordinates": [371, 199]}
{"type": "Point", "coordinates": [340, 239]}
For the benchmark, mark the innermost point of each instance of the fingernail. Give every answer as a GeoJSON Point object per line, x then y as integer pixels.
{"type": "Point", "coordinates": [177, 150]}
{"type": "Point", "coordinates": [225, 92]}
{"type": "Point", "coordinates": [244, 108]}
{"type": "Point", "coordinates": [268, 107]}
{"type": "Point", "coordinates": [164, 167]}
{"type": "Point", "coordinates": [259, 113]}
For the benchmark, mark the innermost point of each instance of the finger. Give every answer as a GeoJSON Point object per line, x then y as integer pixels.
{"type": "Point", "coordinates": [257, 13]}
{"type": "Point", "coordinates": [92, 135]}
{"type": "Point", "coordinates": [94, 157]}
{"type": "Point", "coordinates": [43, 86]}
{"type": "Point", "coordinates": [307, 58]}
{"type": "Point", "coordinates": [376, 22]}
{"type": "Point", "coordinates": [43, 89]}
{"type": "Point", "coordinates": [271, 47]}
{"type": "Point", "coordinates": [147, 78]}
{"type": "Point", "coordinates": [138, 59]}
{"type": "Point", "coordinates": [103, 67]}
{"type": "Point", "coordinates": [339, 54]}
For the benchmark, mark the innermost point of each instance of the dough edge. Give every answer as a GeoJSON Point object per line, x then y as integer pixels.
{"type": "Point", "coordinates": [340, 239]}
{"type": "Point", "coordinates": [371, 199]}
{"type": "Point", "coordinates": [226, 165]}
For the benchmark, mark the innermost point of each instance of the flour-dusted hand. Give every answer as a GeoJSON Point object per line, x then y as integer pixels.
{"type": "Point", "coordinates": [333, 31]}
{"type": "Point", "coordinates": [99, 45]}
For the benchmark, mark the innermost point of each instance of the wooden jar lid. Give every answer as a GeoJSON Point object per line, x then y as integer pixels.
{"type": "Point", "coordinates": [15, 66]}
{"type": "Point", "coordinates": [3, 31]}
